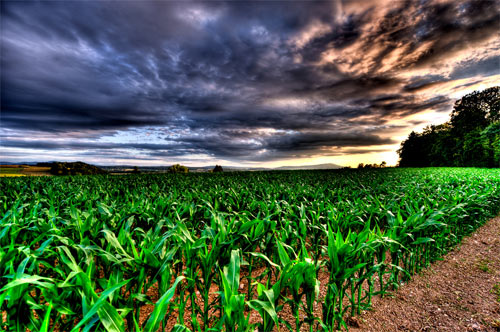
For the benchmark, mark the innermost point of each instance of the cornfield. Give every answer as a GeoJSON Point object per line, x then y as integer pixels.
{"type": "Point", "coordinates": [225, 252]}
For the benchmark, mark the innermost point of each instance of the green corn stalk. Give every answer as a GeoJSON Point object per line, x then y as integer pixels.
{"type": "Point", "coordinates": [233, 303]}
{"type": "Point", "coordinates": [65, 241]}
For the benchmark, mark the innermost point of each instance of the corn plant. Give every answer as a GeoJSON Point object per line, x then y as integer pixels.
{"type": "Point", "coordinates": [97, 252]}
{"type": "Point", "coordinates": [232, 302]}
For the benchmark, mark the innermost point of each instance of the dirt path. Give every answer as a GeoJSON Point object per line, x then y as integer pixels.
{"type": "Point", "coordinates": [460, 293]}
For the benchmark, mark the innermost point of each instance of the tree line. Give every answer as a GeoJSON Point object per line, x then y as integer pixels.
{"type": "Point", "coordinates": [72, 168]}
{"type": "Point", "coordinates": [471, 138]}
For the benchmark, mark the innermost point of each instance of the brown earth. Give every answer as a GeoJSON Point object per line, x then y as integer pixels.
{"type": "Point", "coordinates": [460, 293]}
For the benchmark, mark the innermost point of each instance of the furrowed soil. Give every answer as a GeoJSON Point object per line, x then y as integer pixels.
{"type": "Point", "coordinates": [460, 293]}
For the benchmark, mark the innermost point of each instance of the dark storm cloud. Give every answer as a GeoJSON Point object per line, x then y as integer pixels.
{"type": "Point", "coordinates": [443, 28]}
{"type": "Point", "coordinates": [420, 83]}
{"type": "Point", "coordinates": [487, 66]}
{"type": "Point", "coordinates": [341, 36]}
{"type": "Point", "coordinates": [397, 105]}
{"type": "Point", "coordinates": [450, 27]}
{"type": "Point", "coordinates": [240, 80]}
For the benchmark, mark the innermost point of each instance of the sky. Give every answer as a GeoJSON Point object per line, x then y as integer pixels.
{"type": "Point", "coordinates": [263, 83]}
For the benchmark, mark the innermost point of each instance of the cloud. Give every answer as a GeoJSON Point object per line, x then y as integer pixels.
{"type": "Point", "coordinates": [484, 67]}
{"type": "Point", "coordinates": [235, 80]}
{"type": "Point", "coordinates": [226, 144]}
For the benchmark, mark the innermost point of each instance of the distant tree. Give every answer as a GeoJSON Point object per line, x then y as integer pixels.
{"type": "Point", "coordinates": [470, 138]}
{"type": "Point", "coordinates": [476, 110]}
{"type": "Point", "coordinates": [369, 166]}
{"type": "Point", "coordinates": [178, 169]}
{"type": "Point", "coordinates": [75, 168]}
{"type": "Point", "coordinates": [217, 169]}
{"type": "Point", "coordinates": [471, 115]}
{"type": "Point", "coordinates": [442, 151]}
{"type": "Point", "coordinates": [136, 170]}
{"type": "Point", "coordinates": [490, 138]}
{"type": "Point", "coordinates": [412, 152]}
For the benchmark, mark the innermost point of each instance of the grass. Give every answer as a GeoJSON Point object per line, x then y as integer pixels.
{"type": "Point", "coordinates": [23, 170]}
{"type": "Point", "coordinates": [483, 265]}
{"type": "Point", "coordinates": [496, 291]}
{"type": "Point", "coordinates": [10, 171]}
{"type": "Point", "coordinates": [11, 174]}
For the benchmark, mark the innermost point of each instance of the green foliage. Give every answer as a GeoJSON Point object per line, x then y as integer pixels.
{"type": "Point", "coordinates": [483, 265]}
{"type": "Point", "coordinates": [470, 138]}
{"type": "Point", "coordinates": [233, 303]}
{"type": "Point", "coordinates": [105, 253]}
{"type": "Point", "coordinates": [76, 168]}
{"type": "Point", "coordinates": [178, 169]}
{"type": "Point", "coordinates": [362, 165]}
{"type": "Point", "coordinates": [490, 138]}
{"type": "Point", "coordinates": [217, 169]}
{"type": "Point", "coordinates": [160, 309]}
{"type": "Point", "coordinates": [496, 291]}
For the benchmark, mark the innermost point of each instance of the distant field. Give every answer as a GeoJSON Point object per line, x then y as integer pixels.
{"type": "Point", "coordinates": [23, 170]}
{"type": "Point", "coordinates": [242, 251]}
{"type": "Point", "coordinates": [10, 171]}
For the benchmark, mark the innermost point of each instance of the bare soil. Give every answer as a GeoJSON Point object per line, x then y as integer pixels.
{"type": "Point", "coordinates": [460, 293]}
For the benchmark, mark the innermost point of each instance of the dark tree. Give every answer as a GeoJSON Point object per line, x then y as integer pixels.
{"type": "Point", "coordinates": [413, 151]}
{"type": "Point", "coordinates": [178, 169]}
{"type": "Point", "coordinates": [490, 138]}
{"type": "Point", "coordinates": [76, 168]}
{"type": "Point", "coordinates": [476, 110]}
{"type": "Point", "coordinates": [470, 138]}
{"type": "Point", "coordinates": [217, 169]}
{"type": "Point", "coordinates": [443, 146]}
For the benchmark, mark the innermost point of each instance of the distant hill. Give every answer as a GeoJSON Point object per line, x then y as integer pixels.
{"type": "Point", "coordinates": [281, 168]}
{"type": "Point", "coordinates": [317, 166]}
{"type": "Point", "coordinates": [72, 168]}
{"type": "Point", "coordinates": [160, 169]}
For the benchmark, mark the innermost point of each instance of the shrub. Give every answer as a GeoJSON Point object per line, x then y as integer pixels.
{"type": "Point", "coordinates": [177, 168]}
